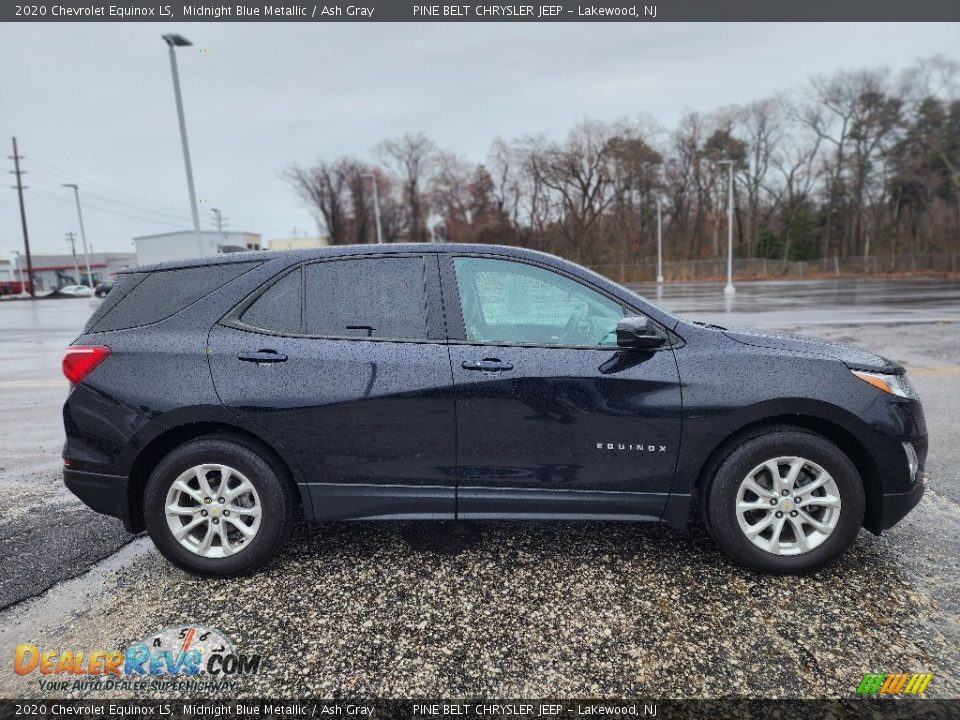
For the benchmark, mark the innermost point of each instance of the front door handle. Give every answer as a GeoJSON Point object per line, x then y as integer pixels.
{"type": "Point", "coordinates": [261, 356]}
{"type": "Point", "coordinates": [487, 365]}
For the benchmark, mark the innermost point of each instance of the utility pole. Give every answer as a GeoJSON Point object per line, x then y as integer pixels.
{"type": "Point", "coordinates": [23, 219]}
{"type": "Point", "coordinates": [218, 219]}
{"type": "Point", "coordinates": [83, 233]}
{"type": "Point", "coordinates": [72, 239]}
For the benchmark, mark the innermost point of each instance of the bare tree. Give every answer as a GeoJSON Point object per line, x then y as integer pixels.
{"type": "Point", "coordinates": [578, 173]}
{"type": "Point", "coordinates": [840, 112]}
{"type": "Point", "coordinates": [324, 190]}
{"type": "Point", "coordinates": [505, 167]}
{"type": "Point", "coordinates": [760, 124]}
{"type": "Point", "coordinates": [863, 164]}
{"type": "Point", "coordinates": [412, 157]}
{"type": "Point", "coordinates": [800, 172]}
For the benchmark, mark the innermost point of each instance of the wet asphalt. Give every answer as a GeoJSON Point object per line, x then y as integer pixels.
{"type": "Point", "coordinates": [46, 534]}
{"type": "Point", "coordinates": [509, 609]}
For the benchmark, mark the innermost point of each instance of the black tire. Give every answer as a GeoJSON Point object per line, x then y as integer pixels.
{"type": "Point", "coordinates": [720, 497]}
{"type": "Point", "coordinates": [276, 495]}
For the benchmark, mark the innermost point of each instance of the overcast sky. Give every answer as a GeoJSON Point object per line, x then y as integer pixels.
{"type": "Point", "coordinates": [93, 104]}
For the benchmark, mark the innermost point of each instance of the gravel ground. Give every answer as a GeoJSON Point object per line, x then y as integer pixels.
{"type": "Point", "coordinates": [543, 609]}
{"type": "Point", "coordinates": [511, 609]}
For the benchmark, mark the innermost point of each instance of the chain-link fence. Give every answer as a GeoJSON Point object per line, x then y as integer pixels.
{"type": "Point", "coordinates": [765, 268]}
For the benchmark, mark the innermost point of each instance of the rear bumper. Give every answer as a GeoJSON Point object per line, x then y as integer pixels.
{"type": "Point", "coordinates": [897, 505]}
{"type": "Point", "coordinates": [106, 494]}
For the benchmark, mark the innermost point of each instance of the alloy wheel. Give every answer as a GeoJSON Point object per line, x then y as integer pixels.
{"type": "Point", "coordinates": [788, 505]}
{"type": "Point", "coordinates": [213, 510]}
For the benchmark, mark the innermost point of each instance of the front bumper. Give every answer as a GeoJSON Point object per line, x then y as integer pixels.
{"type": "Point", "coordinates": [897, 505]}
{"type": "Point", "coordinates": [881, 430]}
{"type": "Point", "coordinates": [106, 494]}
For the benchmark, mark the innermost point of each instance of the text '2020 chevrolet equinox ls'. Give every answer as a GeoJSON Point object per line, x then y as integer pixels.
{"type": "Point", "coordinates": [215, 401]}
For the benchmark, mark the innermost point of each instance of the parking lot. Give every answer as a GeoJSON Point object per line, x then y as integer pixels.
{"type": "Point", "coordinates": [499, 609]}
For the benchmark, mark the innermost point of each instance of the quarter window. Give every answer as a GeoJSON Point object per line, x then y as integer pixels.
{"type": "Point", "coordinates": [512, 302]}
{"type": "Point", "coordinates": [366, 297]}
{"type": "Point", "coordinates": [278, 308]}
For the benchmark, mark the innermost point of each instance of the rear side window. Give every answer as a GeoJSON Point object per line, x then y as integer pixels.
{"type": "Point", "coordinates": [278, 308]}
{"type": "Point", "coordinates": [164, 292]}
{"type": "Point", "coordinates": [368, 297]}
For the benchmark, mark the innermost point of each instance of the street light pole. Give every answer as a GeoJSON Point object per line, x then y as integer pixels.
{"type": "Point", "coordinates": [659, 244]}
{"type": "Point", "coordinates": [174, 41]}
{"type": "Point", "coordinates": [376, 206]}
{"type": "Point", "coordinates": [83, 233]}
{"type": "Point", "coordinates": [729, 289]}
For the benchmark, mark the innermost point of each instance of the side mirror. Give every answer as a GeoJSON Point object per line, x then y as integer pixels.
{"type": "Point", "coordinates": [638, 332]}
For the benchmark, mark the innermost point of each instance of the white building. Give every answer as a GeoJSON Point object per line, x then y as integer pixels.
{"type": "Point", "coordinates": [298, 242]}
{"type": "Point", "coordinates": [54, 271]}
{"type": "Point", "coordinates": [186, 244]}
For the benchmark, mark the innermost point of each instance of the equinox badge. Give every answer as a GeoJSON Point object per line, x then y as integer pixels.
{"type": "Point", "coordinates": [627, 446]}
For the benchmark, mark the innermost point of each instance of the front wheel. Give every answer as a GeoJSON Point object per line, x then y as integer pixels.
{"type": "Point", "coordinates": [785, 501]}
{"type": "Point", "coordinates": [216, 506]}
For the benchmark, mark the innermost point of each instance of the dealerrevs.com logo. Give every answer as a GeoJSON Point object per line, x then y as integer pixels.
{"type": "Point", "coordinates": [188, 657]}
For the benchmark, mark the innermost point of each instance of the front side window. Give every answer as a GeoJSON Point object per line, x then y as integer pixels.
{"type": "Point", "coordinates": [512, 302]}
{"type": "Point", "coordinates": [366, 298]}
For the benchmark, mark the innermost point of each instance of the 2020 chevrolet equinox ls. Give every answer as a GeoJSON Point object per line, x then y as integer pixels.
{"type": "Point", "coordinates": [215, 401]}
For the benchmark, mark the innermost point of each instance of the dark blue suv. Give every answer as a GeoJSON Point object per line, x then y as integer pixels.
{"type": "Point", "coordinates": [214, 402]}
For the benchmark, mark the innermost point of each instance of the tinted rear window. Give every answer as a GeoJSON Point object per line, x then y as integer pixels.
{"type": "Point", "coordinates": [278, 308]}
{"type": "Point", "coordinates": [369, 297]}
{"type": "Point", "coordinates": [164, 292]}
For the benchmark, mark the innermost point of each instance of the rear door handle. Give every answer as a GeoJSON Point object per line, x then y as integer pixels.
{"type": "Point", "coordinates": [261, 356]}
{"type": "Point", "coordinates": [487, 365]}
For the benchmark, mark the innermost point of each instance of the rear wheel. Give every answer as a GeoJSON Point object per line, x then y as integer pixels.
{"type": "Point", "coordinates": [785, 500]}
{"type": "Point", "coordinates": [216, 506]}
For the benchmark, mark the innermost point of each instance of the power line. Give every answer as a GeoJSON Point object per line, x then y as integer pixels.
{"type": "Point", "coordinates": [52, 182]}
{"type": "Point", "coordinates": [87, 181]}
{"type": "Point", "coordinates": [60, 198]}
{"type": "Point", "coordinates": [139, 205]}
{"type": "Point", "coordinates": [58, 178]}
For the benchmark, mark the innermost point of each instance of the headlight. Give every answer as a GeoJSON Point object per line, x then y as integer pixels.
{"type": "Point", "coordinates": [893, 384]}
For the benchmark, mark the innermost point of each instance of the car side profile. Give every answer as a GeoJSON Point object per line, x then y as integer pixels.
{"type": "Point", "coordinates": [216, 402]}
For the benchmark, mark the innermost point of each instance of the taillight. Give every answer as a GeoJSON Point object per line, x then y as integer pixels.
{"type": "Point", "coordinates": [80, 360]}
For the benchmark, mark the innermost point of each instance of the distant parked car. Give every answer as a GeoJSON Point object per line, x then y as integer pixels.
{"type": "Point", "coordinates": [103, 289]}
{"type": "Point", "coordinates": [75, 291]}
